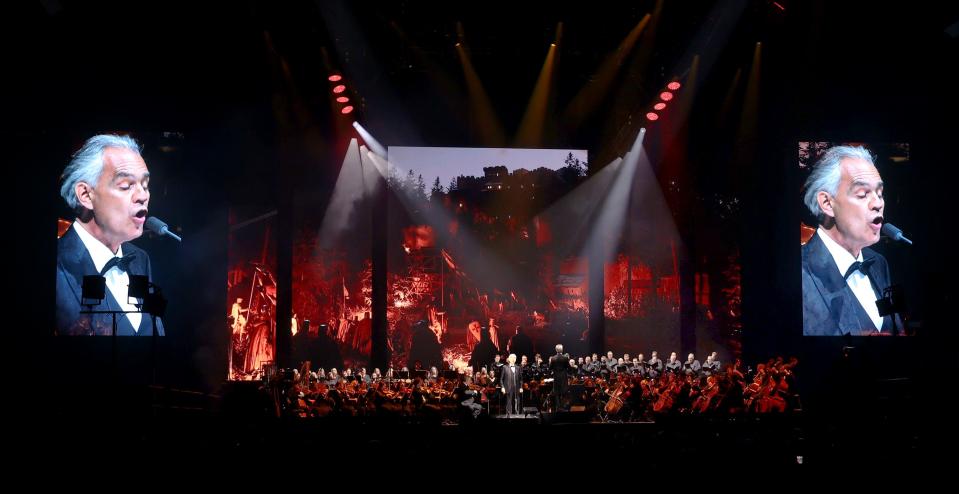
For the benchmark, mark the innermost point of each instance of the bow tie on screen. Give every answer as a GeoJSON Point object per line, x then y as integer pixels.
{"type": "Point", "coordinates": [121, 263]}
{"type": "Point", "coordinates": [859, 266]}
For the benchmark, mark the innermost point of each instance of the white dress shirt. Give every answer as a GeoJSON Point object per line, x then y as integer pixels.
{"type": "Point", "coordinates": [858, 281]}
{"type": "Point", "coordinates": [118, 282]}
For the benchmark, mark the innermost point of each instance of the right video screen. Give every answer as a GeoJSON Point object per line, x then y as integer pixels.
{"type": "Point", "coordinates": [856, 235]}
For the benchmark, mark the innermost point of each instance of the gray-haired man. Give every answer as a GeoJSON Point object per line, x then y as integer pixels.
{"type": "Point", "coordinates": [107, 185]}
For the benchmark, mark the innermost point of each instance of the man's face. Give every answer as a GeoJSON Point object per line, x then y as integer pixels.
{"type": "Point", "coordinates": [120, 197]}
{"type": "Point", "coordinates": [640, 357]}
{"type": "Point", "coordinates": [858, 205]}
{"type": "Point", "coordinates": [690, 357]}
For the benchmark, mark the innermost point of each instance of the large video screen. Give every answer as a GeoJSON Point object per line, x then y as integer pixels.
{"type": "Point", "coordinates": [104, 277]}
{"type": "Point", "coordinates": [475, 257]}
{"type": "Point", "coordinates": [251, 293]}
{"type": "Point", "coordinates": [855, 238]}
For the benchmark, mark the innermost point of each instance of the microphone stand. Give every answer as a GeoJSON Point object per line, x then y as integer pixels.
{"type": "Point", "coordinates": [113, 314]}
{"type": "Point", "coordinates": [888, 295]}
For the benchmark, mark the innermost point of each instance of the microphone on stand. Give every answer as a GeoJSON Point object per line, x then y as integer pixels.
{"type": "Point", "coordinates": [157, 226]}
{"type": "Point", "coordinates": [891, 231]}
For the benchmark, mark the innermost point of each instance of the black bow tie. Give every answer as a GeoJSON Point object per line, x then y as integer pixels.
{"type": "Point", "coordinates": [122, 263]}
{"type": "Point", "coordinates": [859, 266]}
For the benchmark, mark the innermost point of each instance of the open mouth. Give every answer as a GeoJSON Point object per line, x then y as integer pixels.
{"type": "Point", "coordinates": [877, 220]}
{"type": "Point", "coordinates": [140, 217]}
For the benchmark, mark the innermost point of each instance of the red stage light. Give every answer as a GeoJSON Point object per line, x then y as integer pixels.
{"type": "Point", "coordinates": [659, 106]}
{"type": "Point", "coordinates": [672, 86]}
{"type": "Point", "coordinates": [347, 109]}
{"type": "Point", "coordinates": [666, 95]}
{"type": "Point", "coordinates": [342, 99]}
{"type": "Point", "coordinates": [339, 89]}
{"type": "Point", "coordinates": [652, 116]}
{"type": "Point", "coordinates": [335, 78]}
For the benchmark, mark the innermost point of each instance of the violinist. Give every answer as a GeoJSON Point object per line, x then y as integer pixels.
{"type": "Point", "coordinates": [539, 367]}
{"type": "Point", "coordinates": [468, 396]}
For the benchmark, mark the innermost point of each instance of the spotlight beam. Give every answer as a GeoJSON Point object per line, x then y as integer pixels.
{"type": "Point", "coordinates": [591, 95]}
{"type": "Point", "coordinates": [531, 127]}
{"type": "Point", "coordinates": [370, 141]}
{"type": "Point", "coordinates": [608, 226]}
{"type": "Point", "coordinates": [484, 121]}
{"type": "Point", "coordinates": [488, 269]}
{"type": "Point", "coordinates": [353, 186]}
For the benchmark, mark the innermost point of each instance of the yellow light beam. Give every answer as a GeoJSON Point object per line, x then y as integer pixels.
{"type": "Point", "coordinates": [483, 121]}
{"type": "Point", "coordinates": [590, 96]}
{"type": "Point", "coordinates": [748, 134]}
{"type": "Point", "coordinates": [530, 132]}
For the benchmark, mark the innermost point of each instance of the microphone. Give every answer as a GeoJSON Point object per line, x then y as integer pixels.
{"type": "Point", "coordinates": [894, 233]}
{"type": "Point", "coordinates": [157, 226]}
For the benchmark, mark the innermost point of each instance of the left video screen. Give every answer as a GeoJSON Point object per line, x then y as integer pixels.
{"type": "Point", "coordinates": [104, 280]}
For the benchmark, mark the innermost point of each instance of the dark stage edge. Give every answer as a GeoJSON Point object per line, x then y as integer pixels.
{"type": "Point", "coordinates": [786, 441]}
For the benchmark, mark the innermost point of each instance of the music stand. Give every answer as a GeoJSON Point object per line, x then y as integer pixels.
{"type": "Point", "coordinates": [893, 302]}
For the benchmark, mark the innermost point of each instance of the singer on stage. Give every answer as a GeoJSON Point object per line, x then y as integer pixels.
{"type": "Point", "coordinates": [512, 381]}
{"type": "Point", "coordinates": [841, 277]}
{"type": "Point", "coordinates": [106, 185]}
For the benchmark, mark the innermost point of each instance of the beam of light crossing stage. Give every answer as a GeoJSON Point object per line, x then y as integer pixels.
{"type": "Point", "coordinates": [354, 186]}
{"type": "Point", "coordinates": [370, 141]}
{"type": "Point", "coordinates": [531, 127]}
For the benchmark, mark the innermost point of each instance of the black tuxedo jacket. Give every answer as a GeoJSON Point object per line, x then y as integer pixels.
{"type": "Point", "coordinates": [512, 381]}
{"type": "Point", "coordinates": [830, 308]}
{"type": "Point", "coordinates": [73, 263]}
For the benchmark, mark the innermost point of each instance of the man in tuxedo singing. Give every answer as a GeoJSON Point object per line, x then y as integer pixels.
{"type": "Point", "coordinates": [512, 382]}
{"type": "Point", "coordinates": [107, 186]}
{"type": "Point", "coordinates": [841, 277]}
